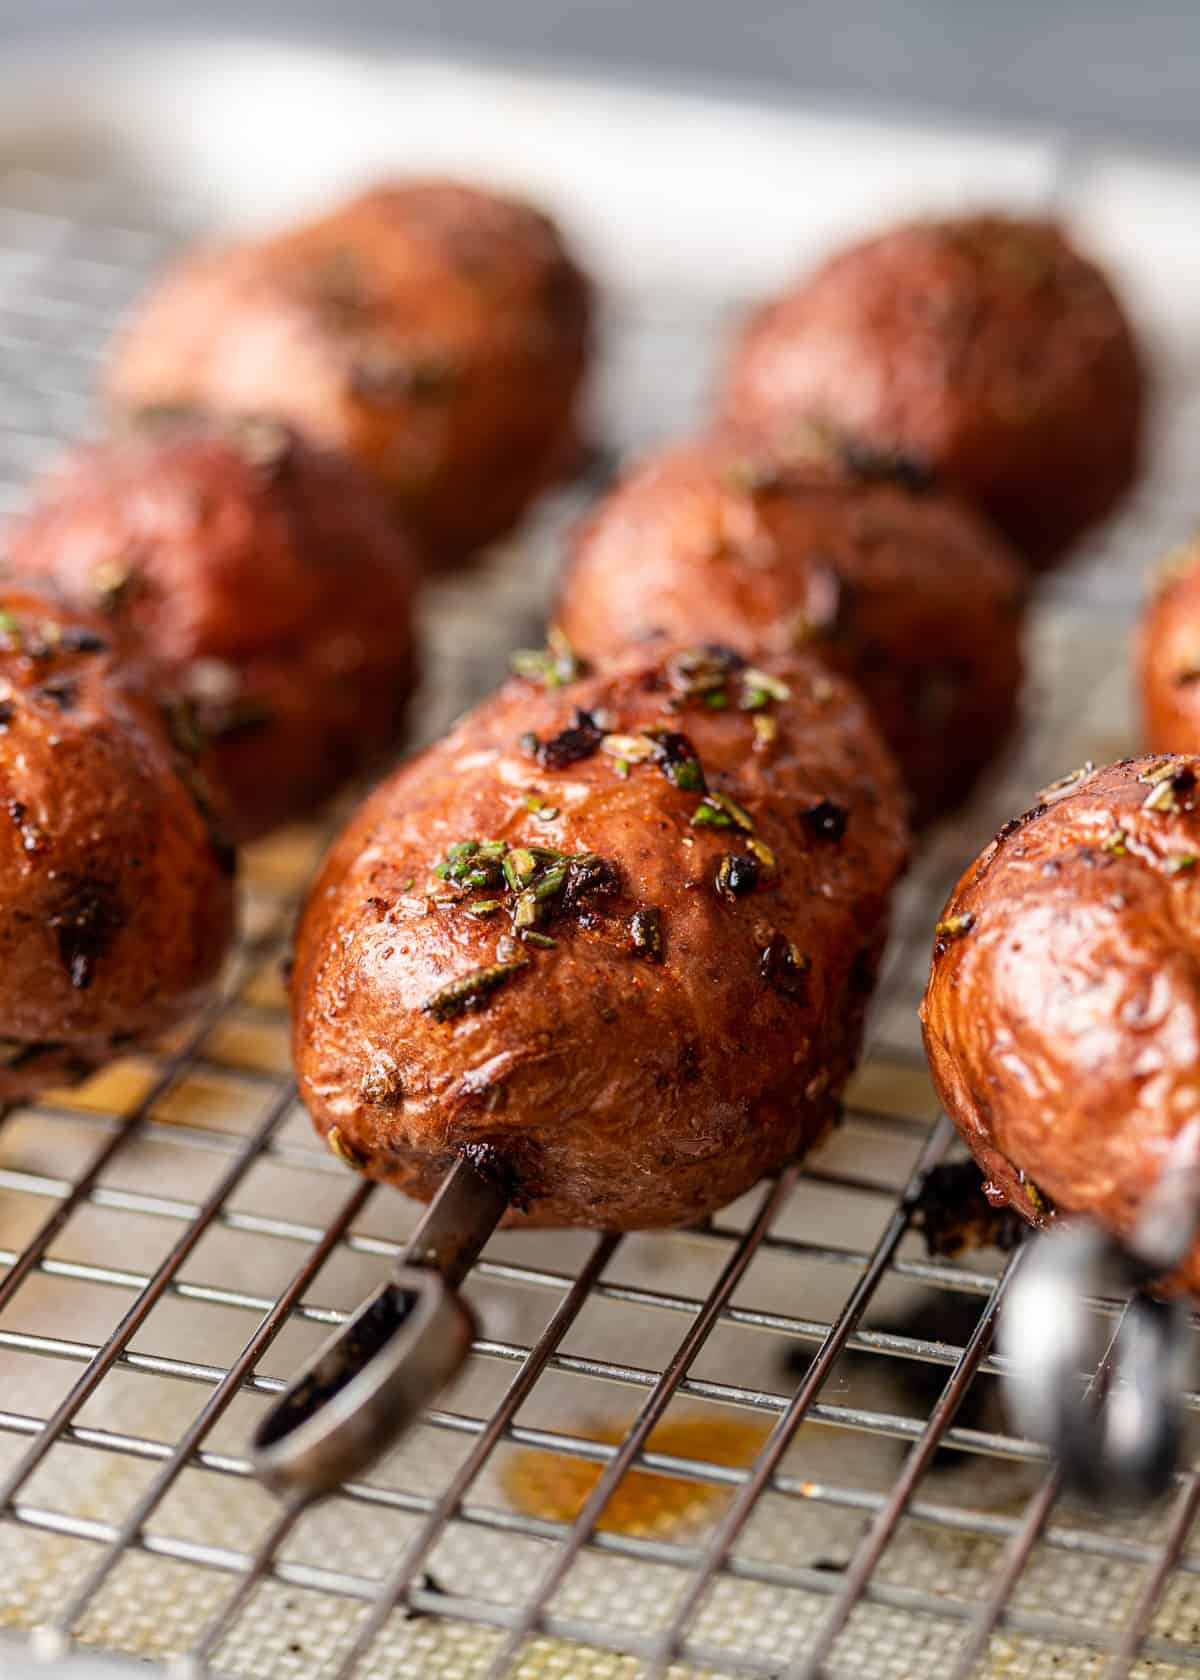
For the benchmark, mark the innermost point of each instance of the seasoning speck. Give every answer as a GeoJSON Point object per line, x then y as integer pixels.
{"type": "Point", "coordinates": [737, 875]}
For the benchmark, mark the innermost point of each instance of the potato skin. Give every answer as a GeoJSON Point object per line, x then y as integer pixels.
{"type": "Point", "coordinates": [986, 347]}
{"type": "Point", "coordinates": [904, 590]}
{"type": "Point", "coordinates": [116, 893]}
{"type": "Point", "coordinates": [617, 1091]}
{"type": "Point", "coordinates": [1062, 1016]}
{"type": "Point", "coordinates": [1168, 655]}
{"type": "Point", "coordinates": [436, 333]}
{"type": "Point", "coordinates": [266, 575]}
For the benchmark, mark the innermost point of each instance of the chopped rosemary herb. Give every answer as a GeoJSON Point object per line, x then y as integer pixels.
{"type": "Point", "coordinates": [484, 906]}
{"type": "Point", "coordinates": [718, 810]}
{"type": "Point", "coordinates": [344, 1152]}
{"type": "Point", "coordinates": [645, 933]}
{"type": "Point", "coordinates": [542, 811]}
{"type": "Point", "coordinates": [471, 990]}
{"type": "Point", "coordinates": [759, 688]}
{"type": "Point", "coordinates": [766, 731]}
{"type": "Point", "coordinates": [1115, 843]}
{"type": "Point", "coordinates": [762, 852]}
{"type": "Point", "coordinates": [677, 758]}
{"type": "Point", "coordinates": [702, 673]}
{"type": "Point", "coordinates": [736, 876]}
{"type": "Point", "coordinates": [542, 939]}
{"type": "Point", "coordinates": [1167, 783]}
{"type": "Point", "coordinates": [1158, 772]}
{"type": "Point", "coordinates": [633, 749]}
{"type": "Point", "coordinates": [553, 666]}
{"type": "Point", "coordinates": [622, 768]}
{"type": "Point", "coordinates": [953, 927]}
{"type": "Point", "coordinates": [1067, 781]}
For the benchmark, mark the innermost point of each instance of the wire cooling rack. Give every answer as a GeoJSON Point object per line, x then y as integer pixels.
{"type": "Point", "coordinates": [798, 1403]}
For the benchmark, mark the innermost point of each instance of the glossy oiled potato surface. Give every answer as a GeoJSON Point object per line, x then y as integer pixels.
{"type": "Point", "coordinates": [266, 575]}
{"type": "Point", "coordinates": [690, 997]}
{"type": "Point", "coordinates": [902, 588]}
{"type": "Point", "coordinates": [436, 333]}
{"type": "Point", "coordinates": [116, 899]}
{"type": "Point", "coordinates": [1062, 1018]}
{"type": "Point", "coordinates": [986, 347]}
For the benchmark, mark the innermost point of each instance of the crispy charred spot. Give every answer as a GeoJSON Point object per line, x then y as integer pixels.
{"type": "Point", "coordinates": [703, 673]}
{"type": "Point", "coordinates": [86, 923]}
{"type": "Point", "coordinates": [7, 712]}
{"type": "Point", "coordinates": [955, 1216]}
{"type": "Point", "coordinates": [77, 640]}
{"type": "Point", "coordinates": [491, 1164]}
{"type": "Point", "coordinates": [867, 461]}
{"type": "Point", "coordinates": [243, 716]}
{"type": "Point", "coordinates": [579, 740]}
{"type": "Point", "coordinates": [785, 968]}
{"type": "Point", "coordinates": [63, 692]}
{"type": "Point", "coordinates": [34, 838]}
{"type": "Point", "coordinates": [678, 759]}
{"type": "Point", "coordinates": [826, 820]}
{"type": "Point", "coordinates": [645, 933]}
{"type": "Point", "coordinates": [588, 878]}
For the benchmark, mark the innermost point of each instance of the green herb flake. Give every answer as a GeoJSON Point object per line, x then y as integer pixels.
{"type": "Point", "coordinates": [634, 749]}
{"type": "Point", "coordinates": [766, 731]}
{"type": "Point", "coordinates": [348, 1156]}
{"type": "Point", "coordinates": [622, 768]}
{"type": "Point", "coordinates": [543, 940]}
{"type": "Point", "coordinates": [718, 810]}
{"type": "Point", "coordinates": [762, 852]}
{"type": "Point", "coordinates": [1034, 1196]}
{"type": "Point", "coordinates": [716, 700]}
{"type": "Point", "coordinates": [484, 906]}
{"type": "Point", "coordinates": [470, 990]}
{"type": "Point", "coordinates": [542, 811]}
{"type": "Point", "coordinates": [953, 927]}
{"type": "Point", "coordinates": [645, 933]}
{"type": "Point", "coordinates": [1115, 843]}
{"type": "Point", "coordinates": [1179, 861]}
{"type": "Point", "coordinates": [553, 666]}
{"type": "Point", "coordinates": [759, 688]}
{"type": "Point", "coordinates": [1067, 781]}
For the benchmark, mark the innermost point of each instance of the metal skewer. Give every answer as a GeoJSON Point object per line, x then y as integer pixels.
{"type": "Point", "coordinates": [1124, 1446]}
{"type": "Point", "coordinates": [366, 1384]}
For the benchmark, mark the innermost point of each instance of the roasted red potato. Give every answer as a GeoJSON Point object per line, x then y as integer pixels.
{"type": "Point", "coordinates": [435, 333]}
{"type": "Point", "coordinates": [900, 587]}
{"type": "Point", "coordinates": [1062, 1016]}
{"type": "Point", "coordinates": [269, 579]}
{"type": "Point", "coordinates": [116, 892]}
{"type": "Point", "coordinates": [614, 937]}
{"type": "Point", "coordinates": [985, 348]}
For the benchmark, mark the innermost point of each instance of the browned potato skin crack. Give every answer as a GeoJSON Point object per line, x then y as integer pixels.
{"type": "Point", "coordinates": [626, 1083]}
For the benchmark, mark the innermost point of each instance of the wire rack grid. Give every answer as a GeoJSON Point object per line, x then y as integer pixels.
{"type": "Point", "coordinates": [768, 1446]}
